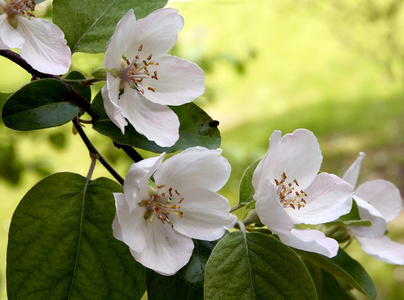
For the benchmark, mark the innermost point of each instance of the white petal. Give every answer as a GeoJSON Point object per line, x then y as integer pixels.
{"type": "Point", "coordinates": [368, 212]}
{"type": "Point", "coordinates": [297, 154]}
{"type": "Point", "coordinates": [270, 211]}
{"type": "Point", "coordinates": [129, 227]}
{"type": "Point", "coordinates": [110, 94]}
{"type": "Point", "coordinates": [195, 167]}
{"type": "Point", "coordinates": [157, 33]}
{"type": "Point", "coordinates": [205, 215]}
{"type": "Point", "coordinates": [119, 41]}
{"type": "Point", "coordinates": [136, 185]}
{"type": "Point", "coordinates": [328, 198]}
{"type": "Point", "coordinates": [166, 251]}
{"type": "Point", "coordinates": [312, 241]}
{"type": "Point", "coordinates": [383, 248]}
{"type": "Point", "coordinates": [383, 195]}
{"type": "Point", "coordinates": [156, 122]}
{"type": "Point", "coordinates": [179, 81]}
{"type": "Point", "coordinates": [44, 48]}
{"type": "Point", "coordinates": [352, 174]}
{"type": "Point", "coordinates": [9, 37]}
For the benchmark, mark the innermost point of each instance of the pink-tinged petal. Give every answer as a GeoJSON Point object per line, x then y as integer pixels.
{"type": "Point", "coordinates": [157, 33]}
{"type": "Point", "coordinates": [312, 241]}
{"type": "Point", "coordinates": [328, 198]}
{"type": "Point", "coordinates": [156, 122]}
{"type": "Point", "coordinates": [119, 40]}
{"type": "Point", "coordinates": [44, 48]}
{"type": "Point", "coordinates": [195, 167]}
{"type": "Point", "coordinates": [166, 250]}
{"type": "Point", "coordinates": [383, 248]}
{"type": "Point", "coordinates": [298, 155]}
{"type": "Point", "coordinates": [352, 174]}
{"type": "Point", "coordinates": [179, 81]}
{"type": "Point", "coordinates": [369, 212]}
{"type": "Point", "coordinates": [110, 94]}
{"type": "Point", "coordinates": [136, 185]}
{"type": "Point", "coordinates": [9, 37]}
{"type": "Point", "coordinates": [383, 195]}
{"type": "Point", "coordinates": [270, 211]}
{"type": "Point", "coordinates": [129, 227]}
{"type": "Point", "coordinates": [205, 215]}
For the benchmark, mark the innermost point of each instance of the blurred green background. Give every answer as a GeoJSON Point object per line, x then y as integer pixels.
{"type": "Point", "coordinates": [333, 67]}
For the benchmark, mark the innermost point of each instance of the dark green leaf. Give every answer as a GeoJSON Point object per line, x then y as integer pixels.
{"type": "Point", "coordinates": [246, 188]}
{"type": "Point", "coordinates": [343, 267]}
{"type": "Point", "coordinates": [256, 266]}
{"type": "Point", "coordinates": [352, 218]}
{"type": "Point", "coordinates": [327, 286]}
{"type": "Point", "coordinates": [195, 129]}
{"type": "Point", "coordinates": [88, 25]}
{"type": "Point", "coordinates": [83, 90]}
{"type": "Point", "coordinates": [39, 104]}
{"type": "Point", "coordinates": [61, 244]}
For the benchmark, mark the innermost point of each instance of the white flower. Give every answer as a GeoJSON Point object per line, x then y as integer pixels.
{"type": "Point", "coordinates": [289, 191]}
{"type": "Point", "coordinates": [41, 43]}
{"type": "Point", "coordinates": [380, 202]}
{"type": "Point", "coordinates": [158, 223]}
{"type": "Point", "coordinates": [143, 79]}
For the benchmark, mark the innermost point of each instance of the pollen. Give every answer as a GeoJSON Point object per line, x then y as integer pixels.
{"type": "Point", "coordinates": [138, 71]}
{"type": "Point", "coordinates": [163, 205]}
{"type": "Point", "coordinates": [289, 194]}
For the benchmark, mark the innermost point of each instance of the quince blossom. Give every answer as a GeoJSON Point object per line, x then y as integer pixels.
{"type": "Point", "coordinates": [289, 191]}
{"type": "Point", "coordinates": [159, 221]}
{"type": "Point", "coordinates": [380, 202]}
{"type": "Point", "coordinates": [41, 43]}
{"type": "Point", "coordinates": [142, 79]}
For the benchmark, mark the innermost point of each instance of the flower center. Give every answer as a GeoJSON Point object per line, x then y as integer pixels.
{"type": "Point", "coordinates": [163, 203]}
{"type": "Point", "coordinates": [137, 70]}
{"type": "Point", "coordinates": [19, 7]}
{"type": "Point", "coordinates": [288, 193]}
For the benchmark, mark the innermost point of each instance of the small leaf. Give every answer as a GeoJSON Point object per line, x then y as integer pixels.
{"type": "Point", "coordinates": [88, 25]}
{"type": "Point", "coordinates": [39, 104]}
{"type": "Point", "coordinates": [246, 188]}
{"type": "Point", "coordinates": [195, 129]}
{"type": "Point", "coordinates": [61, 244]}
{"type": "Point", "coordinates": [352, 218]}
{"type": "Point", "coordinates": [256, 266]}
{"type": "Point", "coordinates": [343, 267]}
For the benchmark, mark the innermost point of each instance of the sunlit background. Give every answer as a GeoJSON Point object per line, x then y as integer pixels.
{"type": "Point", "coordinates": [333, 67]}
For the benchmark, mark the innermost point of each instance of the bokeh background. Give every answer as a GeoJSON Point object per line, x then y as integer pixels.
{"type": "Point", "coordinates": [333, 67]}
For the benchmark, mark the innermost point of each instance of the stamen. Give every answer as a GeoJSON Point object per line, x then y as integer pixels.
{"type": "Point", "coordinates": [288, 196]}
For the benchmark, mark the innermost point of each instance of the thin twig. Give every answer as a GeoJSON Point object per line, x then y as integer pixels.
{"type": "Point", "coordinates": [132, 153]}
{"type": "Point", "coordinates": [93, 151]}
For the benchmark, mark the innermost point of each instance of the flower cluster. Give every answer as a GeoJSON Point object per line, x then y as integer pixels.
{"type": "Point", "coordinates": [41, 43]}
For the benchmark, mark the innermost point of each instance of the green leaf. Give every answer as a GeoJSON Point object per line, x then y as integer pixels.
{"type": "Point", "coordinates": [246, 188]}
{"type": "Point", "coordinates": [61, 244]}
{"type": "Point", "coordinates": [83, 90]}
{"type": "Point", "coordinates": [88, 25]}
{"type": "Point", "coordinates": [39, 104]}
{"type": "Point", "coordinates": [188, 282]}
{"type": "Point", "coordinates": [256, 266]}
{"type": "Point", "coordinates": [196, 129]}
{"type": "Point", "coordinates": [327, 286]}
{"type": "Point", "coordinates": [343, 267]}
{"type": "Point", "coordinates": [352, 218]}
